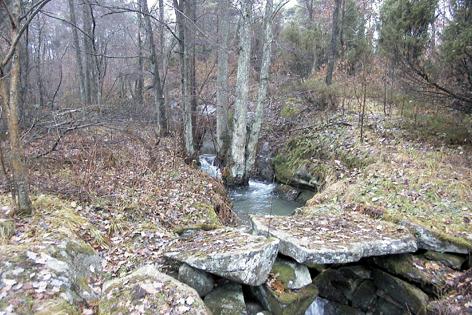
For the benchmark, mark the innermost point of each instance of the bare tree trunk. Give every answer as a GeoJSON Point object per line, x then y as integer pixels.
{"type": "Point", "coordinates": [185, 80]}
{"type": "Point", "coordinates": [157, 85]}
{"type": "Point", "coordinates": [140, 81]}
{"type": "Point", "coordinates": [190, 8]}
{"type": "Point", "coordinates": [78, 56]}
{"type": "Point", "coordinates": [237, 165]}
{"type": "Point", "coordinates": [164, 114]}
{"type": "Point", "coordinates": [38, 62]}
{"type": "Point", "coordinates": [88, 64]}
{"type": "Point", "coordinates": [334, 38]}
{"type": "Point", "coordinates": [10, 107]}
{"type": "Point", "coordinates": [222, 101]}
{"type": "Point", "coordinates": [251, 148]}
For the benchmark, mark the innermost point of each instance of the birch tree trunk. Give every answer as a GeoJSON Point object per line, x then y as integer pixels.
{"type": "Point", "coordinates": [185, 79]}
{"type": "Point", "coordinates": [157, 85]}
{"type": "Point", "coordinates": [237, 166]}
{"type": "Point", "coordinates": [222, 136]}
{"type": "Point", "coordinates": [10, 107]}
{"type": "Point", "coordinates": [251, 148]}
{"type": "Point", "coordinates": [333, 44]}
{"type": "Point", "coordinates": [78, 56]}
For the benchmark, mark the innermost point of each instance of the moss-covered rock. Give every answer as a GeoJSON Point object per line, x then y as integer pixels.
{"type": "Point", "coordinates": [292, 274]}
{"type": "Point", "coordinates": [429, 275]}
{"type": "Point", "coordinates": [227, 299]}
{"type": "Point", "coordinates": [406, 295]}
{"type": "Point", "coordinates": [147, 291]}
{"type": "Point", "coordinates": [283, 301]}
{"type": "Point", "coordinates": [450, 260]}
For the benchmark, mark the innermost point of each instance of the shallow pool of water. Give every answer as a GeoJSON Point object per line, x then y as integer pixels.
{"type": "Point", "coordinates": [257, 198]}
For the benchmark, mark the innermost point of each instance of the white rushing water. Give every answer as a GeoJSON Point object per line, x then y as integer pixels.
{"type": "Point", "coordinates": [207, 164]}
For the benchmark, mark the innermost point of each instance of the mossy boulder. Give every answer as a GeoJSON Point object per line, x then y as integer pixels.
{"type": "Point", "coordinates": [146, 291]}
{"type": "Point", "coordinates": [227, 299]}
{"type": "Point", "coordinates": [283, 301]}
{"type": "Point", "coordinates": [292, 274]}
{"type": "Point", "coordinates": [450, 260]}
{"type": "Point", "coordinates": [407, 296]}
{"type": "Point", "coordinates": [431, 276]}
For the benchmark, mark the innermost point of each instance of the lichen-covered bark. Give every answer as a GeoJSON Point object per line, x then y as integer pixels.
{"type": "Point", "coordinates": [238, 144]}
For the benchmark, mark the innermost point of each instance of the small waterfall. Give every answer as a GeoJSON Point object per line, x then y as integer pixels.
{"type": "Point", "coordinates": [207, 164]}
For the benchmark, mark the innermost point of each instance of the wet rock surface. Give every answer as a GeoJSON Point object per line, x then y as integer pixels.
{"type": "Point", "coordinates": [334, 238]}
{"type": "Point", "coordinates": [146, 290]}
{"type": "Point", "coordinates": [228, 253]}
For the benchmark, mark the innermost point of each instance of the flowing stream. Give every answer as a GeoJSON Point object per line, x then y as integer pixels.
{"type": "Point", "coordinates": [257, 198]}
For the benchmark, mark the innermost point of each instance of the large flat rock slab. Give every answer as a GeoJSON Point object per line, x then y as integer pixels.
{"type": "Point", "coordinates": [334, 238]}
{"type": "Point", "coordinates": [228, 253]}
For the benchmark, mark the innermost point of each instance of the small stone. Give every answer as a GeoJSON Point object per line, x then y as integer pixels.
{"type": "Point", "coordinates": [292, 274]}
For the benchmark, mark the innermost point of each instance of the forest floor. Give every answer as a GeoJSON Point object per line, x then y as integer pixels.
{"type": "Point", "coordinates": [126, 193]}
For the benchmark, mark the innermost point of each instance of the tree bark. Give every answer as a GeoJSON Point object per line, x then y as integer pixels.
{"type": "Point", "coordinates": [140, 82]}
{"type": "Point", "coordinates": [186, 90]}
{"type": "Point", "coordinates": [78, 56]}
{"type": "Point", "coordinates": [251, 148]}
{"type": "Point", "coordinates": [10, 107]}
{"type": "Point", "coordinates": [38, 63]}
{"type": "Point", "coordinates": [237, 165]}
{"type": "Point", "coordinates": [222, 101]}
{"type": "Point", "coordinates": [88, 64]}
{"type": "Point", "coordinates": [333, 44]}
{"type": "Point", "coordinates": [157, 85]}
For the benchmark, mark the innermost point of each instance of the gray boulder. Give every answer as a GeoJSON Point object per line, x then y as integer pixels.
{"type": "Point", "coordinates": [201, 281]}
{"type": "Point", "coordinates": [334, 238]}
{"type": "Point", "coordinates": [292, 274]}
{"type": "Point", "coordinates": [227, 299]}
{"type": "Point", "coordinates": [146, 291]}
{"type": "Point", "coordinates": [429, 240]}
{"type": "Point", "coordinates": [228, 253]}
{"type": "Point", "coordinates": [450, 260]}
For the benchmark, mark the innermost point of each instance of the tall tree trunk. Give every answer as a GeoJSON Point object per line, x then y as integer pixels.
{"type": "Point", "coordinates": [186, 90]}
{"type": "Point", "coordinates": [222, 101]}
{"type": "Point", "coordinates": [190, 12]}
{"type": "Point", "coordinates": [333, 44]}
{"type": "Point", "coordinates": [237, 165]}
{"type": "Point", "coordinates": [38, 62]}
{"type": "Point", "coordinates": [10, 107]}
{"type": "Point", "coordinates": [140, 82]}
{"type": "Point", "coordinates": [157, 85]}
{"type": "Point", "coordinates": [78, 56]}
{"type": "Point", "coordinates": [88, 64]}
{"type": "Point", "coordinates": [162, 44]}
{"type": "Point", "coordinates": [251, 148]}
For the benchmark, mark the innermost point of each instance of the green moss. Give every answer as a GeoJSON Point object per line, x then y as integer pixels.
{"type": "Point", "coordinates": [283, 272]}
{"type": "Point", "coordinates": [289, 110]}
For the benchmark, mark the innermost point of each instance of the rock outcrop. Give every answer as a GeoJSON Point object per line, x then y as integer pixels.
{"type": "Point", "coordinates": [334, 238]}
{"type": "Point", "coordinates": [146, 291]}
{"type": "Point", "coordinates": [228, 253]}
